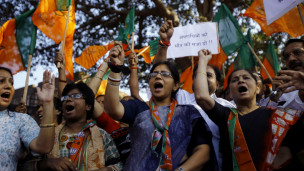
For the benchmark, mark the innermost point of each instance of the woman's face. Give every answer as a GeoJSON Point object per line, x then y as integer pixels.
{"type": "Point", "coordinates": [243, 86]}
{"type": "Point", "coordinates": [6, 89]}
{"type": "Point", "coordinates": [162, 84]}
{"type": "Point", "coordinates": [75, 108]}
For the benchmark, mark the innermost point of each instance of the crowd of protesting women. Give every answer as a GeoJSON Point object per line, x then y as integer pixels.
{"type": "Point", "coordinates": [174, 130]}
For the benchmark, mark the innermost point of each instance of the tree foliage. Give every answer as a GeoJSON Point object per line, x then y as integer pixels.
{"type": "Point", "coordinates": [97, 23]}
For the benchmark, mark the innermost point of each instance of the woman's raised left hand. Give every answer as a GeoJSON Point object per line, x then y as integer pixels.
{"type": "Point", "coordinates": [46, 93]}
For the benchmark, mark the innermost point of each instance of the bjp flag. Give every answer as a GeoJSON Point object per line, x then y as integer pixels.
{"type": "Point", "coordinates": [289, 23]}
{"type": "Point", "coordinates": [50, 17]}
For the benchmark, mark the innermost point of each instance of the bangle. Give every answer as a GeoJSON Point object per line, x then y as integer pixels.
{"type": "Point", "coordinates": [133, 67]}
{"type": "Point", "coordinates": [47, 125]}
{"type": "Point", "coordinates": [113, 79]}
{"type": "Point", "coordinates": [204, 73]}
{"type": "Point", "coordinates": [102, 71]}
{"type": "Point", "coordinates": [63, 81]}
{"type": "Point", "coordinates": [99, 78]}
{"type": "Point", "coordinates": [161, 43]}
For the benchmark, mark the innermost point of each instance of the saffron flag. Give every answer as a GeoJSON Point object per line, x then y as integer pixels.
{"type": "Point", "coordinates": [230, 35]}
{"type": "Point", "coordinates": [270, 62]}
{"type": "Point", "coordinates": [231, 69]}
{"type": "Point", "coordinates": [92, 54]}
{"type": "Point", "coordinates": [245, 58]}
{"type": "Point", "coordinates": [289, 23]}
{"type": "Point", "coordinates": [186, 80]}
{"type": "Point", "coordinates": [18, 38]}
{"type": "Point", "coordinates": [50, 17]}
{"type": "Point", "coordinates": [218, 60]}
{"type": "Point", "coordinates": [9, 53]}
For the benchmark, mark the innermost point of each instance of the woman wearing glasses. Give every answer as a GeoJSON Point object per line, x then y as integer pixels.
{"type": "Point", "coordinates": [164, 135]}
{"type": "Point", "coordinates": [79, 143]}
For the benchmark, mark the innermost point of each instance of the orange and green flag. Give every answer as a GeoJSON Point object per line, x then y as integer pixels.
{"type": "Point", "coordinates": [17, 42]}
{"type": "Point", "coordinates": [218, 60]}
{"type": "Point", "coordinates": [230, 34]}
{"type": "Point", "coordinates": [130, 22]}
{"type": "Point", "coordinates": [231, 69]}
{"type": "Point", "coordinates": [270, 62]}
{"type": "Point", "coordinates": [289, 22]}
{"type": "Point", "coordinates": [50, 17]}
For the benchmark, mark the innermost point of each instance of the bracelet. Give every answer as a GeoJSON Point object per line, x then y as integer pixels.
{"type": "Point", "coordinates": [113, 79]}
{"type": "Point", "coordinates": [202, 73]}
{"type": "Point", "coordinates": [63, 81]}
{"type": "Point", "coordinates": [133, 67]}
{"type": "Point", "coordinates": [161, 43]}
{"type": "Point", "coordinates": [47, 125]}
{"type": "Point", "coordinates": [99, 78]}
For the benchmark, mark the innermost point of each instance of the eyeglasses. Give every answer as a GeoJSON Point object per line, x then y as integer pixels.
{"type": "Point", "coordinates": [295, 52]}
{"type": "Point", "coordinates": [162, 73]}
{"type": "Point", "coordinates": [73, 96]}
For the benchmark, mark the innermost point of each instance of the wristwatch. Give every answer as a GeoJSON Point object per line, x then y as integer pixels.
{"type": "Point", "coordinates": [181, 169]}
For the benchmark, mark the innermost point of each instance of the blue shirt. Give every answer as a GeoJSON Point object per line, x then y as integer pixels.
{"type": "Point", "coordinates": [15, 129]}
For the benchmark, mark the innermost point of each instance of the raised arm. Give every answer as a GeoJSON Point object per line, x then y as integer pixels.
{"type": "Point", "coordinates": [165, 33]}
{"type": "Point", "coordinates": [43, 144]}
{"type": "Point", "coordinates": [201, 91]}
{"type": "Point", "coordinates": [113, 107]}
{"type": "Point", "coordinates": [62, 80]}
{"type": "Point", "coordinates": [133, 82]}
{"type": "Point", "coordinates": [96, 80]}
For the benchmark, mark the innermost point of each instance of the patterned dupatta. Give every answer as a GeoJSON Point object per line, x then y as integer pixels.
{"type": "Point", "coordinates": [161, 132]}
{"type": "Point", "coordinates": [281, 120]}
{"type": "Point", "coordinates": [77, 147]}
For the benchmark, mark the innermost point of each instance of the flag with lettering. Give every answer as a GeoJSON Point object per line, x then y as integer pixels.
{"type": "Point", "coordinates": [270, 62]}
{"type": "Point", "coordinates": [230, 34]}
{"type": "Point", "coordinates": [289, 23]}
{"type": "Point", "coordinates": [50, 17]}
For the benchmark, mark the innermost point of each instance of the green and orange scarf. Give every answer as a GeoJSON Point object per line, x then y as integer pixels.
{"type": "Point", "coordinates": [162, 132]}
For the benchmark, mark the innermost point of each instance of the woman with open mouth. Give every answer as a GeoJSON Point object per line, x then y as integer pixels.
{"type": "Point", "coordinates": [19, 130]}
{"type": "Point", "coordinates": [251, 135]}
{"type": "Point", "coordinates": [79, 143]}
{"type": "Point", "coordinates": [164, 135]}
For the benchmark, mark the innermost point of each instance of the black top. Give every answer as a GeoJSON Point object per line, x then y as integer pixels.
{"type": "Point", "coordinates": [255, 126]}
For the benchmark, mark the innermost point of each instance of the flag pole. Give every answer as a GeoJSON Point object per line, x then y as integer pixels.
{"type": "Point", "coordinates": [132, 42]}
{"type": "Point", "coordinates": [145, 49]}
{"type": "Point", "coordinates": [192, 63]}
{"type": "Point", "coordinates": [259, 61]}
{"type": "Point", "coordinates": [223, 70]}
{"type": "Point", "coordinates": [27, 79]}
{"type": "Point", "coordinates": [83, 78]}
{"type": "Point", "coordinates": [301, 15]}
{"type": "Point", "coordinates": [64, 36]}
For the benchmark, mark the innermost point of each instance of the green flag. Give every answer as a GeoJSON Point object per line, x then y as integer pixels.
{"type": "Point", "coordinates": [121, 36]}
{"type": "Point", "coordinates": [25, 35]}
{"type": "Point", "coordinates": [63, 5]}
{"type": "Point", "coordinates": [230, 34]}
{"type": "Point", "coordinates": [245, 58]}
{"type": "Point", "coordinates": [153, 46]}
{"type": "Point", "coordinates": [270, 62]}
{"type": "Point", "coordinates": [129, 22]}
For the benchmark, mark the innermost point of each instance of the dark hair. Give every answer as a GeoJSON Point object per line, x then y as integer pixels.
{"type": "Point", "coordinates": [173, 71]}
{"type": "Point", "coordinates": [215, 69]}
{"type": "Point", "coordinates": [292, 41]}
{"type": "Point", "coordinates": [7, 69]}
{"type": "Point", "coordinates": [86, 91]}
{"type": "Point", "coordinates": [250, 72]}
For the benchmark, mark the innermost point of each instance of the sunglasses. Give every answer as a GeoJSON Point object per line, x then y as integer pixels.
{"type": "Point", "coordinates": [162, 73]}
{"type": "Point", "coordinates": [295, 52]}
{"type": "Point", "coordinates": [73, 96]}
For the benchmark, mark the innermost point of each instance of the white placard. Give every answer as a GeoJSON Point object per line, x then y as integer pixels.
{"type": "Point", "coordinates": [275, 9]}
{"type": "Point", "coordinates": [188, 40]}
